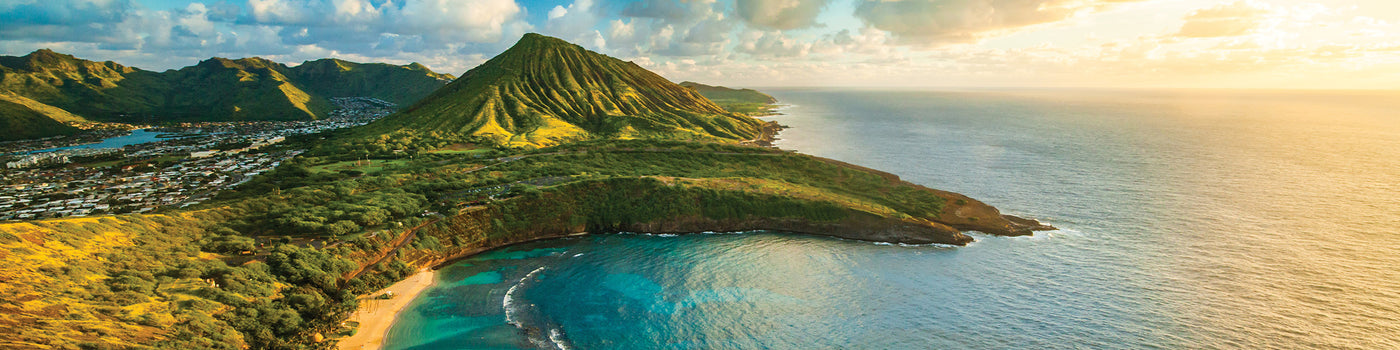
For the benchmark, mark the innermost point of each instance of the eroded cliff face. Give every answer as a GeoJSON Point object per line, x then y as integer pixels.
{"type": "Point", "coordinates": [858, 226]}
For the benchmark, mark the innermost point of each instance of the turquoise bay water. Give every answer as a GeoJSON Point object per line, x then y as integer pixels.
{"type": "Point", "coordinates": [136, 137]}
{"type": "Point", "coordinates": [1190, 220]}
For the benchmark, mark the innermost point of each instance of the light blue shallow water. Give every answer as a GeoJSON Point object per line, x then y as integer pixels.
{"type": "Point", "coordinates": [136, 137]}
{"type": "Point", "coordinates": [1215, 220]}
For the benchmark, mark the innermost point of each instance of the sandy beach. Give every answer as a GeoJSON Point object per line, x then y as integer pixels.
{"type": "Point", "coordinates": [377, 315]}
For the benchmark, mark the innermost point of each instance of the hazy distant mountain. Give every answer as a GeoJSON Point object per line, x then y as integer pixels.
{"type": "Point", "coordinates": [747, 101]}
{"type": "Point", "coordinates": [723, 94]}
{"type": "Point", "coordinates": [216, 89]}
{"type": "Point", "coordinates": [545, 91]}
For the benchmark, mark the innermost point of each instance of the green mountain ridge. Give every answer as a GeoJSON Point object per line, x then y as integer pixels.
{"type": "Point", "coordinates": [545, 91]}
{"type": "Point", "coordinates": [335, 77]}
{"type": "Point", "coordinates": [217, 89]}
{"type": "Point", "coordinates": [242, 89]}
{"type": "Point", "coordinates": [94, 90]}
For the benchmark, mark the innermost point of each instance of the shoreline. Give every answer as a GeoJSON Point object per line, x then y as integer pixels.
{"type": "Point", "coordinates": [377, 316]}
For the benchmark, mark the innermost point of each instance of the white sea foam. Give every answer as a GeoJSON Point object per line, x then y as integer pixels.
{"type": "Point", "coordinates": [1037, 236]}
{"type": "Point", "coordinates": [1067, 232]}
{"type": "Point", "coordinates": [726, 233]}
{"type": "Point", "coordinates": [512, 310]}
{"type": "Point", "coordinates": [935, 245]}
{"type": "Point", "coordinates": [508, 301]}
{"type": "Point", "coordinates": [556, 336]}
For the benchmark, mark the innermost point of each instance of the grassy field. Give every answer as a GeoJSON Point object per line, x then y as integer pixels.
{"type": "Point", "coordinates": [463, 149]}
{"type": "Point", "coordinates": [79, 282]}
{"type": "Point", "coordinates": [365, 166]}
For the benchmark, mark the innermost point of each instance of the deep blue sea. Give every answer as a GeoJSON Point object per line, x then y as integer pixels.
{"type": "Point", "coordinates": [1189, 220]}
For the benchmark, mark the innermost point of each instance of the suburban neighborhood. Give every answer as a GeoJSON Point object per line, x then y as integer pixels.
{"type": "Point", "coordinates": [187, 164]}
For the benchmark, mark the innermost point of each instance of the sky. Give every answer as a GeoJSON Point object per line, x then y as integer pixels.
{"type": "Point", "coordinates": [1276, 44]}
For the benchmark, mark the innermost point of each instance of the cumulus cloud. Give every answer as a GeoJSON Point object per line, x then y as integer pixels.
{"type": "Point", "coordinates": [109, 23]}
{"type": "Point", "coordinates": [673, 10]}
{"type": "Point", "coordinates": [780, 14]}
{"type": "Point", "coordinates": [937, 22]}
{"type": "Point", "coordinates": [866, 41]}
{"type": "Point", "coordinates": [281, 11]}
{"type": "Point", "coordinates": [1232, 19]}
{"type": "Point", "coordinates": [439, 21]}
{"type": "Point", "coordinates": [437, 32]}
{"type": "Point", "coordinates": [772, 44]}
{"type": "Point", "coordinates": [576, 24]}
{"type": "Point", "coordinates": [742, 42]}
{"type": "Point", "coordinates": [620, 32]}
{"type": "Point", "coordinates": [670, 28]}
{"type": "Point", "coordinates": [358, 26]}
{"type": "Point", "coordinates": [475, 20]}
{"type": "Point", "coordinates": [64, 12]}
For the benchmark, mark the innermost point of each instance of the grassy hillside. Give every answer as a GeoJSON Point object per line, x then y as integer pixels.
{"type": "Point", "coordinates": [217, 89]}
{"type": "Point", "coordinates": [23, 118]}
{"type": "Point", "coordinates": [55, 113]}
{"type": "Point", "coordinates": [125, 282]}
{"type": "Point", "coordinates": [248, 89]}
{"type": "Point", "coordinates": [94, 90]}
{"type": "Point", "coordinates": [747, 101]}
{"type": "Point", "coordinates": [545, 91]}
{"type": "Point", "coordinates": [174, 281]}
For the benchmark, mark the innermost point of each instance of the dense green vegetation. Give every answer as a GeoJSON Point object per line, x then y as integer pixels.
{"type": "Point", "coordinates": [278, 262]}
{"type": "Point", "coordinates": [142, 281]}
{"type": "Point", "coordinates": [329, 197]}
{"type": "Point", "coordinates": [746, 101]}
{"type": "Point", "coordinates": [216, 89]}
{"type": "Point", "coordinates": [330, 204]}
{"type": "Point", "coordinates": [545, 91]}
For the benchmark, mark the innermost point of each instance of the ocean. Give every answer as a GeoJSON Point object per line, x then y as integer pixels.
{"type": "Point", "coordinates": [1189, 219]}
